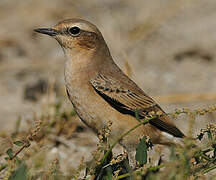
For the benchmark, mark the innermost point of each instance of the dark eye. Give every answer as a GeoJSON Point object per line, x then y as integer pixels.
{"type": "Point", "coordinates": [74, 30]}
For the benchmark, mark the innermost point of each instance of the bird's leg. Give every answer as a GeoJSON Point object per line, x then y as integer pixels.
{"type": "Point", "coordinates": [132, 160]}
{"type": "Point", "coordinates": [130, 155]}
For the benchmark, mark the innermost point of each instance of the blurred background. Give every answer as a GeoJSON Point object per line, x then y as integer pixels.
{"type": "Point", "coordinates": [167, 47]}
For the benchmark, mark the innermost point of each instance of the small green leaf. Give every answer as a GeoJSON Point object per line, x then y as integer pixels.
{"type": "Point", "coordinates": [20, 173]}
{"type": "Point", "coordinates": [73, 113]}
{"type": "Point", "coordinates": [109, 172]}
{"type": "Point", "coordinates": [209, 135]}
{"type": "Point", "coordinates": [18, 143]}
{"type": "Point", "coordinates": [141, 152]}
{"type": "Point", "coordinates": [10, 153]}
{"type": "Point", "coordinates": [2, 167]}
{"type": "Point", "coordinates": [6, 158]}
{"type": "Point", "coordinates": [137, 115]}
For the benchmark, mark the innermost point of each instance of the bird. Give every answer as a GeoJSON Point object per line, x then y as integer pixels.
{"type": "Point", "coordinates": [101, 92]}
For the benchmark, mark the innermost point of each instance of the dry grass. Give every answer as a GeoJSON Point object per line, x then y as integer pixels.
{"type": "Point", "coordinates": [27, 157]}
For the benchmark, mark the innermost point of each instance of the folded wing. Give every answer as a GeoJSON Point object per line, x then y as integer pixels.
{"type": "Point", "coordinates": [126, 97]}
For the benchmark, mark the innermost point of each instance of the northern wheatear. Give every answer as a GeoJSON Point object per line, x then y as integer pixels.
{"type": "Point", "coordinates": [100, 92]}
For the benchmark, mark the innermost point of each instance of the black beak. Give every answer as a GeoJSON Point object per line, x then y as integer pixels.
{"type": "Point", "coordinates": [48, 31]}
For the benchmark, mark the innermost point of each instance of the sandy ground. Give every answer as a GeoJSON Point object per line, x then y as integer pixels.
{"type": "Point", "coordinates": [167, 47]}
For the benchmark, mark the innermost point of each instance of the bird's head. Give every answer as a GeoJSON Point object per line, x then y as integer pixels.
{"type": "Point", "coordinates": [75, 35]}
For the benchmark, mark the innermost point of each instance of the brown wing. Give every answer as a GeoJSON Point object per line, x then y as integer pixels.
{"type": "Point", "coordinates": [126, 97]}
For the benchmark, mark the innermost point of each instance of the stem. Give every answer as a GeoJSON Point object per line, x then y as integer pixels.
{"type": "Point", "coordinates": [18, 152]}
{"type": "Point", "coordinates": [123, 135]}
{"type": "Point", "coordinates": [209, 169]}
{"type": "Point", "coordinates": [156, 167]}
{"type": "Point", "coordinates": [207, 150]}
{"type": "Point", "coordinates": [27, 144]}
{"type": "Point", "coordinates": [137, 171]}
{"type": "Point", "coordinates": [2, 167]}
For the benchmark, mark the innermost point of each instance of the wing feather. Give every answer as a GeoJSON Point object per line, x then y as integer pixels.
{"type": "Point", "coordinates": [127, 97]}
